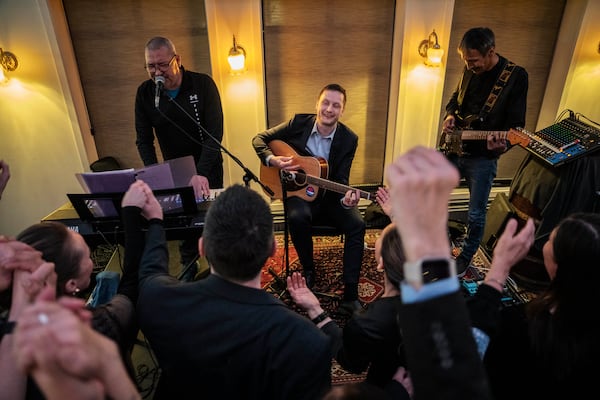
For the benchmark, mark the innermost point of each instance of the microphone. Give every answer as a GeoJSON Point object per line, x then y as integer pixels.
{"type": "Point", "coordinates": [160, 83]}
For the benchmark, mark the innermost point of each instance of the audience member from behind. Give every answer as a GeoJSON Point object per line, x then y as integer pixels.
{"type": "Point", "coordinates": [4, 176]}
{"type": "Point", "coordinates": [548, 348]}
{"type": "Point", "coordinates": [436, 329]}
{"type": "Point", "coordinates": [223, 336]}
{"type": "Point", "coordinates": [370, 339]}
{"type": "Point", "coordinates": [54, 342]}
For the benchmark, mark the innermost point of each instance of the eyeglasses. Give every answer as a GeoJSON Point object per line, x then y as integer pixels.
{"type": "Point", "coordinates": [162, 66]}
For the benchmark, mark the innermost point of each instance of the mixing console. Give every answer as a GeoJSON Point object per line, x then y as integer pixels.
{"type": "Point", "coordinates": [562, 142]}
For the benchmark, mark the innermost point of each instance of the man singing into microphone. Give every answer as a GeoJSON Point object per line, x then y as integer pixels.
{"type": "Point", "coordinates": [182, 129]}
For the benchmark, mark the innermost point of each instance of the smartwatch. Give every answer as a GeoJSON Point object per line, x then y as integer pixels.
{"type": "Point", "coordinates": [426, 270]}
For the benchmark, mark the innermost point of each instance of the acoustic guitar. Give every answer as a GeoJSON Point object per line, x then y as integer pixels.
{"type": "Point", "coordinates": [452, 143]}
{"type": "Point", "coordinates": [304, 182]}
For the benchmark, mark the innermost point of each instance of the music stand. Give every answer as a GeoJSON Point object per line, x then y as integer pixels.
{"type": "Point", "coordinates": [103, 207]}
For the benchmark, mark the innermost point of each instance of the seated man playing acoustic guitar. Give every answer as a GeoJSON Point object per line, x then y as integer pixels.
{"type": "Point", "coordinates": [298, 143]}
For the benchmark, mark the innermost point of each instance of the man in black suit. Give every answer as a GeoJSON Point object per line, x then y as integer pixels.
{"type": "Point", "coordinates": [321, 135]}
{"type": "Point", "coordinates": [435, 325]}
{"type": "Point", "coordinates": [223, 337]}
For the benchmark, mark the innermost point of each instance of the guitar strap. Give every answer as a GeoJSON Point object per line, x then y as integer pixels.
{"type": "Point", "coordinates": [497, 89]}
{"type": "Point", "coordinates": [492, 97]}
{"type": "Point", "coordinates": [494, 93]}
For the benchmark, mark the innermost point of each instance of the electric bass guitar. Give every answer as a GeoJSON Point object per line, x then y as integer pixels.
{"type": "Point", "coordinates": [304, 182]}
{"type": "Point", "coordinates": [452, 143]}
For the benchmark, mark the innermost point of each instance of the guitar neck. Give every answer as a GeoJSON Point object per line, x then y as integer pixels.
{"type": "Point", "coordinates": [334, 186]}
{"type": "Point", "coordinates": [479, 135]}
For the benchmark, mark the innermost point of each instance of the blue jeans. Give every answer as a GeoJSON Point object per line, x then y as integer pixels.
{"type": "Point", "coordinates": [479, 174]}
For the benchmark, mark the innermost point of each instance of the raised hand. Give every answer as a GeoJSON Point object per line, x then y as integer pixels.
{"type": "Point", "coordinates": [383, 199]}
{"type": "Point", "coordinates": [512, 247]}
{"type": "Point", "coordinates": [301, 294]}
{"type": "Point", "coordinates": [421, 181]}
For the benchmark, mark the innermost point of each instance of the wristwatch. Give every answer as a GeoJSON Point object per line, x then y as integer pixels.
{"type": "Point", "coordinates": [426, 270]}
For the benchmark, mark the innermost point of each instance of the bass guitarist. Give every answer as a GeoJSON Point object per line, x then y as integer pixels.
{"type": "Point", "coordinates": [492, 96]}
{"type": "Point", "coordinates": [321, 135]}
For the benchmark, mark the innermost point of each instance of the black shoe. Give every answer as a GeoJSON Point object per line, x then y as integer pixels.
{"type": "Point", "coordinates": [349, 307]}
{"type": "Point", "coordinates": [461, 266]}
{"type": "Point", "coordinates": [310, 278]}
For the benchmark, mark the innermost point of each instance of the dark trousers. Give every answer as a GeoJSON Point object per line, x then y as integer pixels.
{"type": "Point", "coordinates": [327, 210]}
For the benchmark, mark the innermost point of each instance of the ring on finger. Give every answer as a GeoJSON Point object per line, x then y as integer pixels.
{"type": "Point", "coordinates": [43, 318]}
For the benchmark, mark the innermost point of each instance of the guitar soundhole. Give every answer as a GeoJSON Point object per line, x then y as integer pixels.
{"type": "Point", "coordinates": [300, 178]}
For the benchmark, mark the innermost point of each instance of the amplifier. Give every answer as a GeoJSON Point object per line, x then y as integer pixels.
{"type": "Point", "coordinates": [562, 142]}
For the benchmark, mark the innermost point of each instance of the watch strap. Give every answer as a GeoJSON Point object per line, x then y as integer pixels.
{"type": "Point", "coordinates": [320, 318]}
{"type": "Point", "coordinates": [413, 270]}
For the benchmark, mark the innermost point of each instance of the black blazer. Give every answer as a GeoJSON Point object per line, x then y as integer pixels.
{"type": "Point", "coordinates": [440, 350]}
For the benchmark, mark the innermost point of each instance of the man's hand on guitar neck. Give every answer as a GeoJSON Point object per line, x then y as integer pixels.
{"type": "Point", "coordinates": [496, 142]}
{"type": "Point", "coordinates": [283, 162]}
{"type": "Point", "coordinates": [351, 198]}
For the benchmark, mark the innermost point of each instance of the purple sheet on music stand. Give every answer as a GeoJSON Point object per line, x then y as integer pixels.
{"type": "Point", "coordinates": [182, 170]}
{"type": "Point", "coordinates": [168, 175]}
{"type": "Point", "coordinates": [106, 181]}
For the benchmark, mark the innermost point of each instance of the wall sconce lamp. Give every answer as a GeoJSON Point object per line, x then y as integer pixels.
{"type": "Point", "coordinates": [430, 50]}
{"type": "Point", "coordinates": [237, 58]}
{"type": "Point", "coordinates": [9, 63]}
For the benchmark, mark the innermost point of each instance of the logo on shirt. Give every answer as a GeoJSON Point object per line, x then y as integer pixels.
{"type": "Point", "coordinates": [193, 98]}
{"type": "Point", "coordinates": [310, 191]}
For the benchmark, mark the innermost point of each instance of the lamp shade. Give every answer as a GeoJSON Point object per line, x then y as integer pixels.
{"type": "Point", "coordinates": [237, 58]}
{"type": "Point", "coordinates": [434, 56]}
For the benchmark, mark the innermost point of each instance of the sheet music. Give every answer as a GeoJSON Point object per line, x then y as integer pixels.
{"type": "Point", "coordinates": [157, 176]}
{"type": "Point", "coordinates": [168, 175]}
{"type": "Point", "coordinates": [106, 181]}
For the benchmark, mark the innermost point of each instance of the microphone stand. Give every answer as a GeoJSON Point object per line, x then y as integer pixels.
{"type": "Point", "coordinates": [248, 175]}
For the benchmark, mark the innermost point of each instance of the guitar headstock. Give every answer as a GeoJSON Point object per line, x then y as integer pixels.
{"type": "Point", "coordinates": [518, 136]}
